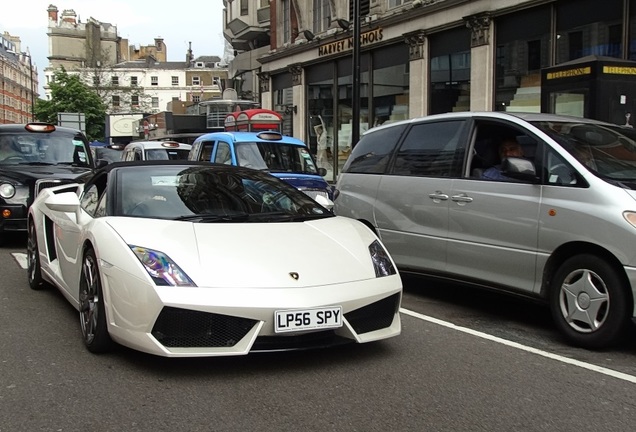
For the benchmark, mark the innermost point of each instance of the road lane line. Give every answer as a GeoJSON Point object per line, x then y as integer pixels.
{"type": "Point", "coordinates": [21, 258]}
{"type": "Point", "coordinates": [589, 366]}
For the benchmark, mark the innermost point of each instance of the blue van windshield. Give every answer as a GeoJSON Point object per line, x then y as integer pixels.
{"type": "Point", "coordinates": [276, 157]}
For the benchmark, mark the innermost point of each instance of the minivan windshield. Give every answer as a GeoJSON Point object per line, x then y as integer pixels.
{"type": "Point", "coordinates": [275, 157]}
{"type": "Point", "coordinates": [607, 150]}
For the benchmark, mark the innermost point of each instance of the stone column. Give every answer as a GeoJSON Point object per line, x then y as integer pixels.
{"type": "Point", "coordinates": [482, 65]}
{"type": "Point", "coordinates": [298, 97]}
{"type": "Point", "coordinates": [419, 77]}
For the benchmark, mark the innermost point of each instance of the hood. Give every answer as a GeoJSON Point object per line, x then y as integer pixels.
{"type": "Point", "coordinates": [303, 181]}
{"type": "Point", "coordinates": [322, 252]}
{"type": "Point", "coordinates": [24, 173]}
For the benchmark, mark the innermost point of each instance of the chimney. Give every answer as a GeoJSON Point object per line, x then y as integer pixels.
{"type": "Point", "coordinates": [69, 16]}
{"type": "Point", "coordinates": [189, 55]}
{"type": "Point", "coordinates": [52, 10]}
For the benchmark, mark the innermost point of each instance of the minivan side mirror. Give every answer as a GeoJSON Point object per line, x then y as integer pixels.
{"type": "Point", "coordinates": [519, 169]}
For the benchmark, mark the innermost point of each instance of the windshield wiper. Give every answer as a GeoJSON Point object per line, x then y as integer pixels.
{"type": "Point", "coordinates": [204, 218]}
{"type": "Point", "coordinates": [36, 163]}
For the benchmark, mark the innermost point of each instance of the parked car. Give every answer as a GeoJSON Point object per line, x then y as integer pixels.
{"type": "Point", "coordinates": [35, 156]}
{"type": "Point", "coordinates": [560, 227]}
{"type": "Point", "coordinates": [155, 150]}
{"type": "Point", "coordinates": [178, 258]}
{"type": "Point", "coordinates": [283, 156]}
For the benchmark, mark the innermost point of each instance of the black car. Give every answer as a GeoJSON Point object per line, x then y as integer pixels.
{"type": "Point", "coordinates": [109, 153]}
{"type": "Point", "coordinates": [34, 156]}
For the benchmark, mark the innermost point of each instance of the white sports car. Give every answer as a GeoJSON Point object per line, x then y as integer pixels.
{"type": "Point", "coordinates": [193, 259]}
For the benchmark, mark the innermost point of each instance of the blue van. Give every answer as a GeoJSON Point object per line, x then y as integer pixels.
{"type": "Point", "coordinates": [285, 157]}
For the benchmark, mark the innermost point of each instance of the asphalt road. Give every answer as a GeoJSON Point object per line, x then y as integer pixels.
{"type": "Point", "coordinates": [465, 361]}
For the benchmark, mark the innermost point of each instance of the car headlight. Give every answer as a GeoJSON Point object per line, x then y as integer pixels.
{"type": "Point", "coordinates": [382, 263]}
{"type": "Point", "coordinates": [162, 270]}
{"type": "Point", "coordinates": [7, 190]}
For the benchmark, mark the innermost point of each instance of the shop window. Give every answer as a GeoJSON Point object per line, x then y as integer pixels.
{"type": "Point", "coordinates": [390, 85]}
{"type": "Point", "coordinates": [450, 71]}
{"type": "Point", "coordinates": [522, 50]}
{"type": "Point", "coordinates": [585, 29]}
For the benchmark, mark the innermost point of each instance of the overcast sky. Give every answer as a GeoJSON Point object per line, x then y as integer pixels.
{"type": "Point", "coordinates": [140, 21]}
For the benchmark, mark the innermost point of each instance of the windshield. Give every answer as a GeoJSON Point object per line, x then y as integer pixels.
{"type": "Point", "coordinates": [167, 154]}
{"type": "Point", "coordinates": [276, 157]}
{"type": "Point", "coordinates": [55, 148]}
{"type": "Point", "coordinates": [607, 150]}
{"type": "Point", "coordinates": [208, 194]}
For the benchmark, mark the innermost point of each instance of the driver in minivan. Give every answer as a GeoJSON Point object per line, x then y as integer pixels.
{"type": "Point", "coordinates": [509, 147]}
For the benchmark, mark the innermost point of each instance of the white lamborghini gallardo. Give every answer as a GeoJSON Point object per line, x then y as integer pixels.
{"type": "Point", "coordinates": [194, 259]}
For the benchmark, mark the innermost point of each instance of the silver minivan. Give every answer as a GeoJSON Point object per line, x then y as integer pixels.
{"type": "Point", "coordinates": [558, 224]}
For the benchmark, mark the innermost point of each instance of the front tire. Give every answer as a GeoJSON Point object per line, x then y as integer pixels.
{"type": "Point", "coordinates": [34, 270]}
{"type": "Point", "coordinates": [91, 306]}
{"type": "Point", "coordinates": [589, 302]}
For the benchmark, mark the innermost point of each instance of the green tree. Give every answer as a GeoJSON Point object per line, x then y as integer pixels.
{"type": "Point", "coordinates": [70, 94]}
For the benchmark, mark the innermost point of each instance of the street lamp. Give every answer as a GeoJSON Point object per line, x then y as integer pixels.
{"type": "Point", "coordinates": [32, 91]}
{"type": "Point", "coordinates": [355, 72]}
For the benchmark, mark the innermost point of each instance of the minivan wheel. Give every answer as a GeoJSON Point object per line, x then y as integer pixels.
{"type": "Point", "coordinates": [589, 302]}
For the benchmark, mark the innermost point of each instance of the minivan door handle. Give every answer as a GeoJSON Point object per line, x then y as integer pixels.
{"type": "Point", "coordinates": [462, 198]}
{"type": "Point", "coordinates": [438, 196]}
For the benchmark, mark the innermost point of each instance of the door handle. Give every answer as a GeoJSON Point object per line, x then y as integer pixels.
{"type": "Point", "coordinates": [438, 196]}
{"type": "Point", "coordinates": [462, 198]}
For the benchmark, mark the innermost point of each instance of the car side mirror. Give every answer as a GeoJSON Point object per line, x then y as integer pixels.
{"type": "Point", "coordinates": [100, 163]}
{"type": "Point", "coordinates": [519, 169]}
{"type": "Point", "coordinates": [66, 202]}
{"type": "Point", "coordinates": [325, 202]}
{"type": "Point", "coordinates": [322, 171]}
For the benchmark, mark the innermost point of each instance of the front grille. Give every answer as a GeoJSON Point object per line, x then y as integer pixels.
{"type": "Point", "coordinates": [47, 183]}
{"type": "Point", "coordinates": [182, 328]}
{"type": "Point", "coordinates": [375, 316]}
{"type": "Point", "coordinates": [321, 339]}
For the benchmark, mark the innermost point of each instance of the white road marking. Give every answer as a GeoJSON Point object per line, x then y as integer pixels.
{"type": "Point", "coordinates": [21, 258]}
{"type": "Point", "coordinates": [595, 368]}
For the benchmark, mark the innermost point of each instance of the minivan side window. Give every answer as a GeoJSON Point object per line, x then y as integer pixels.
{"type": "Point", "coordinates": [372, 153]}
{"type": "Point", "coordinates": [431, 149]}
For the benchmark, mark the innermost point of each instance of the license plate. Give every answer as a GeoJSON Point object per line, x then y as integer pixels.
{"type": "Point", "coordinates": [307, 319]}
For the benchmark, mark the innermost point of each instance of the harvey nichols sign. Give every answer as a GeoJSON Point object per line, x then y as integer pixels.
{"type": "Point", "coordinates": [336, 47]}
